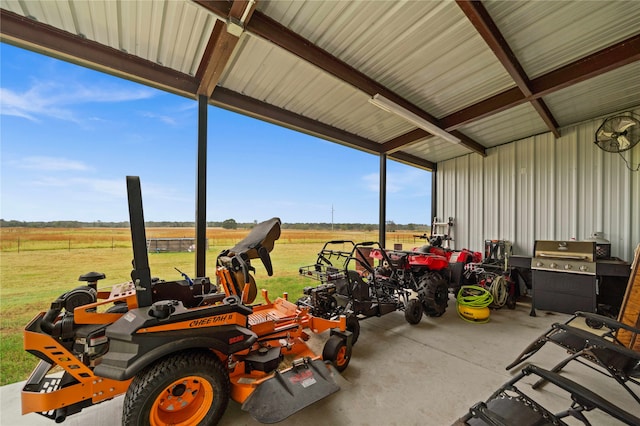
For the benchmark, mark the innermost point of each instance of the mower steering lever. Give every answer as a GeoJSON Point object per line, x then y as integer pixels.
{"type": "Point", "coordinates": [185, 276]}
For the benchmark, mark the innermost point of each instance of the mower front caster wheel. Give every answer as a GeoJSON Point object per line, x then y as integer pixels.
{"type": "Point", "coordinates": [337, 352]}
{"type": "Point", "coordinates": [188, 388]}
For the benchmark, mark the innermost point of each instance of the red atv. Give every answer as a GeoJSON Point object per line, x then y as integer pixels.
{"type": "Point", "coordinates": [424, 274]}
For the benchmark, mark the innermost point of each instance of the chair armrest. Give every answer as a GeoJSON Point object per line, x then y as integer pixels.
{"type": "Point", "coordinates": [582, 395]}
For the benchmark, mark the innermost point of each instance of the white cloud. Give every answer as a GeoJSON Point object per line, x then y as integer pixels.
{"type": "Point", "coordinates": [56, 100]}
{"type": "Point", "coordinates": [412, 180]}
{"type": "Point", "coordinates": [84, 185]}
{"type": "Point", "coordinates": [51, 164]}
{"type": "Point", "coordinates": [164, 118]}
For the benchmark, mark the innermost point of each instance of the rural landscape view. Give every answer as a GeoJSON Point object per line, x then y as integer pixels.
{"type": "Point", "coordinates": [41, 261]}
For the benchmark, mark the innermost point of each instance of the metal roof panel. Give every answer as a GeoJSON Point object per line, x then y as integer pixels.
{"type": "Point", "coordinates": [545, 35]}
{"type": "Point", "coordinates": [420, 50]}
{"type": "Point", "coordinates": [507, 126]}
{"type": "Point", "coordinates": [614, 91]}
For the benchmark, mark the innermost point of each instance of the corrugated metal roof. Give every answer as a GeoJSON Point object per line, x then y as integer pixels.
{"type": "Point", "coordinates": [613, 91]}
{"type": "Point", "coordinates": [427, 52]}
{"type": "Point", "coordinates": [545, 35]}
{"type": "Point", "coordinates": [435, 148]}
{"type": "Point", "coordinates": [277, 77]}
{"type": "Point", "coordinates": [508, 126]}
{"type": "Point", "coordinates": [420, 50]}
{"type": "Point", "coordinates": [169, 33]}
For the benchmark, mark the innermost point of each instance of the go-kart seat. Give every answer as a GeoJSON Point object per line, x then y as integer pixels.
{"type": "Point", "coordinates": [605, 350]}
{"type": "Point", "coordinates": [510, 406]}
{"type": "Point", "coordinates": [359, 287]}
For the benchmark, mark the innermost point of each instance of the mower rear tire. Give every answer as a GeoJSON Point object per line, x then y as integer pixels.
{"type": "Point", "coordinates": [435, 293]}
{"type": "Point", "coordinates": [413, 311]}
{"type": "Point", "coordinates": [188, 388]}
{"type": "Point", "coordinates": [337, 352]}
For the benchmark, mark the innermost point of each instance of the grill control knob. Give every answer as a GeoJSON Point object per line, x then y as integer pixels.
{"type": "Point", "coordinates": [553, 265]}
{"type": "Point", "coordinates": [583, 268]}
{"type": "Point", "coordinates": [538, 264]}
{"type": "Point", "coordinates": [567, 266]}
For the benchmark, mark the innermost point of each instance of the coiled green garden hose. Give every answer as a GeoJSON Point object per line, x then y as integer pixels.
{"type": "Point", "coordinates": [473, 304]}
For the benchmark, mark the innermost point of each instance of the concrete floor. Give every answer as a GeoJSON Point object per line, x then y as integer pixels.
{"type": "Point", "coordinates": [425, 374]}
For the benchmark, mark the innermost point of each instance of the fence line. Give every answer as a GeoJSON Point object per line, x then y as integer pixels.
{"type": "Point", "coordinates": [21, 244]}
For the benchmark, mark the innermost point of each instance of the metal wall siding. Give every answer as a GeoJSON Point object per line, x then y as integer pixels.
{"type": "Point", "coordinates": [545, 206]}
{"type": "Point", "coordinates": [505, 202]}
{"type": "Point", "coordinates": [566, 187]}
{"type": "Point", "coordinates": [590, 178]}
{"type": "Point", "coordinates": [461, 229]}
{"type": "Point", "coordinates": [524, 195]}
{"type": "Point", "coordinates": [544, 188]}
{"type": "Point", "coordinates": [491, 196]}
{"type": "Point", "coordinates": [476, 196]}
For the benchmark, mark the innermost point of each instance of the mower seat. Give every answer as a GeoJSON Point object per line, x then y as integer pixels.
{"type": "Point", "coordinates": [605, 350]}
{"type": "Point", "coordinates": [510, 406]}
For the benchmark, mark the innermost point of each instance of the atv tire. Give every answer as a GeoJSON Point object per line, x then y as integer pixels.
{"type": "Point", "coordinates": [337, 352]}
{"type": "Point", "coordinates": [413, 311]}
{"type": "Point", "coordinates": [434, 290]}
{"type": "Point", "coordinates": [191, 387]}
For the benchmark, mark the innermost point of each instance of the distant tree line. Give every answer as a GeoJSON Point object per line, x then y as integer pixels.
{"type": "Point", "coordinates": [226, 224]}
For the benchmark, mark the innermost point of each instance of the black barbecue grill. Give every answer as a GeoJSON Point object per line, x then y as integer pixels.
{"type": "Point", "coordinates": [564, 276]}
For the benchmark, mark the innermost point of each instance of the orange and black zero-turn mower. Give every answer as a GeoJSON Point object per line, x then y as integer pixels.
{"type": "Point", "coordinates": [179, 350]}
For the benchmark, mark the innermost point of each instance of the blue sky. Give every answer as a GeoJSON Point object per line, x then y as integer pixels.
{"type": "Point", "coordinates": [70, 135]}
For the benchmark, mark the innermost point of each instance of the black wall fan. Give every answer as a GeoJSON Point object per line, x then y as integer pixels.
{"type": "Point", "coordinates": [618, 133]}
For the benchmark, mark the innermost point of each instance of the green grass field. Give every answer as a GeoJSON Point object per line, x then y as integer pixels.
{"type": "Point", "coordinates": [30, 279]}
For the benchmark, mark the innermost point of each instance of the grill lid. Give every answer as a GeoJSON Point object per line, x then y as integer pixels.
{"type": "Point", "coordinates": [565, 250]}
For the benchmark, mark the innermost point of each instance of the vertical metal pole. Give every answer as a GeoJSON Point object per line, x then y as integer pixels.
{"type": "Point", "coordinates": [383, 201]}
{"type": "Point", "coordinates": [201, 189]}
{"type": "Point", "coordinates": [434, 194]}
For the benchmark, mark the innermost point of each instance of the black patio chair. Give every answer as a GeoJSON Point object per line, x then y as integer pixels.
{"type": "Point", "coordinates": [509, 406]}
{"type": "Point", "coordinates": [602, 348]}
